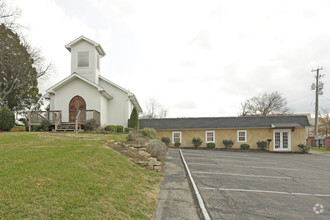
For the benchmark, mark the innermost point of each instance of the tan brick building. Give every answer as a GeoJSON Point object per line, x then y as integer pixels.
{"type": "Point", "coordinates": [283, 133]}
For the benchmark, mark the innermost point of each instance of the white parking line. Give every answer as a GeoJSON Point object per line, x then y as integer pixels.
{"type": "Point", "coordinates": [236, 161]}
{"type": "Point", "coordinates": [266, 191]}
{"type": "Point", "coordinates": [254, 158]}
{"type": "Point", "coordinates": [207, 154]}
{"type": "Point", "coordinates": [218, 165]}
{"type": "Point", "coordinates": [245, 175]}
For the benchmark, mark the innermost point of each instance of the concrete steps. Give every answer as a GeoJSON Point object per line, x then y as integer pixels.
{"type": "Point", "coordinates": [66, 127]}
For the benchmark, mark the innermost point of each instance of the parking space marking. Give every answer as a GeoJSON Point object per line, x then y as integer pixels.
{"type": "Point", "coordinates": [200, 154]}
{"type": "Point", "coordinates": [245, 175]}
{"type": "Point", "coordinates": [237, 161]}
{"type": "Point", "coordinates": [254, 158]}
{"type": "Point", "coordinates": [266, 191]}
{"type": "Point", "coordinates": [213, 164]}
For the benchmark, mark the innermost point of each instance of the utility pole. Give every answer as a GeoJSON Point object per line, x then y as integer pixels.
{"type": "Point", "coordinates": [318, 86]}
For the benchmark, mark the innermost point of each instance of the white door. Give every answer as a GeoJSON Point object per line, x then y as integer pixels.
{"type": "Point", "coordinates": [282, 140]}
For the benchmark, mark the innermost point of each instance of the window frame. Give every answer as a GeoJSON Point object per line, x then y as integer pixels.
{"type": "Point", "coordinates": [206, 132]}
{"type": "Point", "coordinates": [79, 52]}
{"type": "Point", "coordinates": [245, 136]}
{"type": "Point", "coordinates": [173, 132]}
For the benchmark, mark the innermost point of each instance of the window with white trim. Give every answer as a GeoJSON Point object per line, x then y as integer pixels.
{"type": "Point", "coordinates": [241, 136]}
{"type": "Point", "coordinates": [83, 59]}
{"type": "Point", "coordinates": [176, 137]}
{"type": "Point", "coordinates": [210, 136]}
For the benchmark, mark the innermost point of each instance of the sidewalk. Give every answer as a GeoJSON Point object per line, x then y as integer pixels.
{"type": "Point", "coordinates": [175, 200]}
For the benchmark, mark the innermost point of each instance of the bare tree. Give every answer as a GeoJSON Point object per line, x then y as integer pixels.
{"type": "Point", "coordinates": [324, 120]}
{"type": "Point", "coordinates": [9, 15]}
{"type": "Point", "coordinates": [154, 109]}
{"type": "Point", "coordinates": [265, 104]}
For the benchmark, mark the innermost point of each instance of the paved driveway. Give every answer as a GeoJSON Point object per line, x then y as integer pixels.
{"type": "Point", "coordinates": [246, 185]}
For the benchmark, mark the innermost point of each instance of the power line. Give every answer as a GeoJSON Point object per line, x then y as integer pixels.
{"type": "Point", "coordinates": [294, 100]}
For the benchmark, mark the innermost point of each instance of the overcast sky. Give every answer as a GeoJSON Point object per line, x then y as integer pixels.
{"type": "Point", "coordinates": [196, 57]}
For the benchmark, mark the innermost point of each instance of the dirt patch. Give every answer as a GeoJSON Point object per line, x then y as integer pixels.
{"type": "Point", "coordinates": [131, 154]}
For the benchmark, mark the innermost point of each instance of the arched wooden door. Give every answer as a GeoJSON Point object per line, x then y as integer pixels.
{"type": "Point", "coordinates": [77, 103]}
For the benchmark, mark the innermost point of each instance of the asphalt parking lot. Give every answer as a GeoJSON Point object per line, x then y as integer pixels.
{"type": "Point", "coordinates": [253, 185]}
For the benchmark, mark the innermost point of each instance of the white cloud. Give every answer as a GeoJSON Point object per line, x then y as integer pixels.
{"type": "Point", "coordinates": [211, 53]}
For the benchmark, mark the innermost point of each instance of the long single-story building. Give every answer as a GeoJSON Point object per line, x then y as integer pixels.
{"type": "Point", "coordinates": [283, 133]}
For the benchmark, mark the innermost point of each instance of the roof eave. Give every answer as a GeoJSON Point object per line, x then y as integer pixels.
{"type": "Point", "coordinates": [135, 102]}
{"type": "Point", "coordinates": [96, 45]}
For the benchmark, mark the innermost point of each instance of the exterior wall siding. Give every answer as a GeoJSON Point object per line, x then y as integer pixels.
{"type": "Point", "coordinates": [104, 111]}
{"type": "Point", "coordinates": [76, 87]}
{"type": "Point", "coordinates": [253, 135]}
{"type": "Point", "coordinates": [91, 73]}
{"type": "Point", "coordinates": [118, 106]}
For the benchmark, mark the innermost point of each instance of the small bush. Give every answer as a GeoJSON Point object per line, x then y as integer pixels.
{"type": "Point", "coordinates": [166, 140]}
{"type": "Point", "coordinates": [100, 130]}
{"type": "Point", "coordinates": [245, 146]}
{"type": "Point", "coordinates": [90, 125]}
{"type": "Point", "coordinates": [120, 128]}
{"type": "Point", "coordinates": [128, 130]}
{"type": "Point", "coordinates": [303, 148]}
{"type": "Point", "coordinates": [18, 129]}
{"type": "Point", "coordinates": [37, 128]}
{"type": "Point", "coordinates": [26, 123]}
{"type": "Point", "coordinates": [153, 132]}
{"type": "Point", "coordinates": [110, 128]}
{"type": "Point", "coordinates": [45, 125]}
{"type": "Point", "coordinates": [177, 144]}
{"type": "Point", "coordinates": [157, 149]}
{"type": "Point", "coordinates": [7, 119]}
{"type": "Point", "coordinates": [228, 143]}
{"type": "Point", "coordinates": [210, 145]}
{"type": "Point", "coordinates": [131, 136]}
{"type": "Point", "coordinates": [197, 142]}
{"type": "Point", "coordinates": [262, 145]}
{"type": "Point", "coordinates": [145, 132]}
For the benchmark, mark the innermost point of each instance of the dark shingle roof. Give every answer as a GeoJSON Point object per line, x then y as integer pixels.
{"type": "Point", "coordinates": [223, 122]}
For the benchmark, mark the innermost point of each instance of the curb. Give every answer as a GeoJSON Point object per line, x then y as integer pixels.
{"type": "Point", "coordinates": [198, 198]}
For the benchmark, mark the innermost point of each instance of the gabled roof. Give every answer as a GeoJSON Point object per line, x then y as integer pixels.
{"type": "Point", "coordinates": [74, 76]}
{"type": "Point", "coordinates": [131, 95]}
{"type": "Point", "coordinates": [225, 122]}
{"type": "Point", "coordinates": [96, 45]}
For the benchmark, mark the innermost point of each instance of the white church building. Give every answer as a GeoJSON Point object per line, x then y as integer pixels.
{"type": "Point", "coordinates": [87, 95]}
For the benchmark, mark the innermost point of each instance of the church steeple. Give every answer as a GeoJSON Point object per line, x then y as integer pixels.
{"type": "Point", "coordinates": [85, 58]}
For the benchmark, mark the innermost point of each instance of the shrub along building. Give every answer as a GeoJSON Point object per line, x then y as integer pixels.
{"type": "Point", "coordinates": [282, 133]}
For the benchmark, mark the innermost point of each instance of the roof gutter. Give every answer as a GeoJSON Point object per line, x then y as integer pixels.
{"type": "Point", "coordinates": [135, 102]}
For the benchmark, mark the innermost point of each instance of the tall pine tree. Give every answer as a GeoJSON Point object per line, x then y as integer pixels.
{"type": "Point", "coordinates": [134, 120]}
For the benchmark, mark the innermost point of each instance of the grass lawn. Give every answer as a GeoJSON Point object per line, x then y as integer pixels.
{"type": "Point", "coordinates": [44, 176]}
{"type": "Point", "coordinates": [320, 149]}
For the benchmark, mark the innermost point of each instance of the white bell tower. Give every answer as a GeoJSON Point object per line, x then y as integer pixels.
{"type": "Point", "coordinates": [85, 58]}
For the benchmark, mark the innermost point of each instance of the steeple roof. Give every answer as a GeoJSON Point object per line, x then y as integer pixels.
{"type": "Point", "coordinates": [97, 46]}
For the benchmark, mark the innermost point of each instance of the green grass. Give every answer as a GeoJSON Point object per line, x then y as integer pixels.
{"type": "Point", "coordinates": [44, 177]}
{"type": "Point", "coordinates": [116, 137]}
{"type": "Point", "coordinates": [320, 149]}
